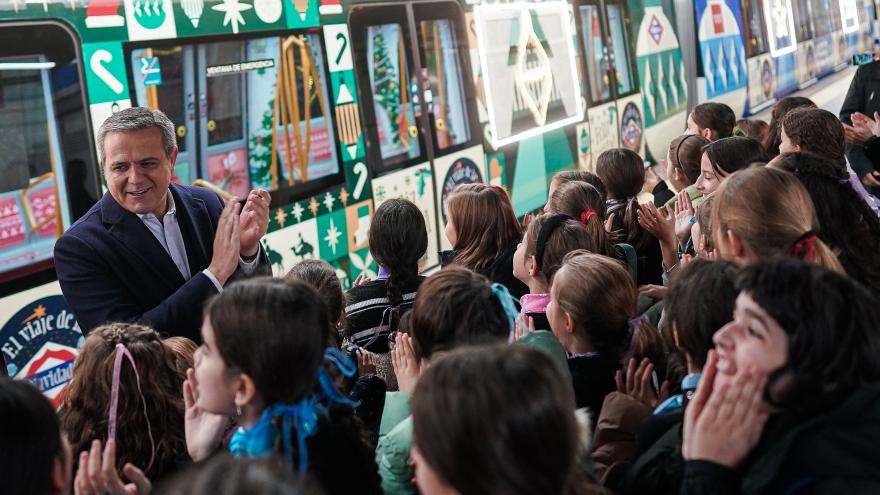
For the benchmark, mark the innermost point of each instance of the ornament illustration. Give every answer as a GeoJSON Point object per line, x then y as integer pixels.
{"type": "Point", "coordinates": [193, 10]}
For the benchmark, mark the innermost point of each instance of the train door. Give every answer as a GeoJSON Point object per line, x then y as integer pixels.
{"type": "Point", "coordinates": [419, 108]}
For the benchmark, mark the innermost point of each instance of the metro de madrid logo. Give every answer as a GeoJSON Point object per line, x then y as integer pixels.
{"type": "Point", "coordinates": [39, 344]}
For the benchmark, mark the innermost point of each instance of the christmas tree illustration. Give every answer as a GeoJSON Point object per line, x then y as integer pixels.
{"type": "Point", "coordinates": [386, 88]}
{"type": "Point", "coordinates": [260, 151]}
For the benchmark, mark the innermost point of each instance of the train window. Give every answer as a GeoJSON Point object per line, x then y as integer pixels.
{"type": "Point", "coordinates": [595, 58]}
{"type": "Point", "coordinates": [222, 91]}
{"type": "Point", "coordinates": [803, 27]}
{"type": "Point", "coordinates": [277, 134]}
{"type": "Point", "coordinates": [618, 25]}
{"type": "Point", "coordinates": [49, 175]}
{"type": "Point", "coordinates": [391, 87]}
{"type": "Point", "coordinates": [756, 37]}
{"type": "Point", "coordinates": [443, 70]}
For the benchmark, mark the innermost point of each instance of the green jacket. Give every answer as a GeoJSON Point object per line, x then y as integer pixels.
{"type": "Point", "coordinates": [696, 198]}
{"type": "Point", "coordinates": [395, 430]}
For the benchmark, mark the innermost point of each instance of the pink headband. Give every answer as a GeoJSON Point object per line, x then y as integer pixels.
{"type": "Point", "coordinates": [121, 350]}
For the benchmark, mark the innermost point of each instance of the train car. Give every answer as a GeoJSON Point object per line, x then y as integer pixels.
{"type": "Point", "coordinates": [333, 106]}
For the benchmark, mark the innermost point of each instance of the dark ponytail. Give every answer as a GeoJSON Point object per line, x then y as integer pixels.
{"type": "Point", "coordinates": [398, 240]}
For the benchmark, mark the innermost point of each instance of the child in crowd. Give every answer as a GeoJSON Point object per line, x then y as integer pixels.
{"type": "Point", "coordinates": [566, 176]}
{"type": "Point", "coordinates": [577, 199]}
{"type": "Point", "coordinates": [643, 451]}
{"type": "Point", "coordinates": [538, 257]}
{"type": "Point", "coordinates": [683, 167]}
{"type": "Point", "coordinates": [321, 276]}
{"type": "Point", "coordinates": [623, 173]}
{"type": "Point", "coordinates": [592, 302]}
{"type": "Point", "coordinates": [815, 131]}
{"type": "Point", "coordinates": [761, 213]}
{"type": "Point", "coordinates": [711, 120]}
{"type": "Point", "coordinates": [789, 401]}
{"type": "Point", "coordinates": [773, 135]}
{"type": "Point", "coordinates": [753, 128]}
{"type": "Point", "coordinates": [848, 225]}
{"type": "Point", "coordinates": [724, 157]}
{"type": "Point", "coordinates": [126, 387]}
{"type": "Point", "coordinates": [270, 378]}
{"type": "Point", "coordinates": [35, 458]}
{"type": "Point", "coordinates": [483, 231]}
{"type": "Point", "coordinates": [453, 308]}
{"type": "Point", "coordinates": [516, 401]}
{"type": "Point", "coordinates": [398, 240]}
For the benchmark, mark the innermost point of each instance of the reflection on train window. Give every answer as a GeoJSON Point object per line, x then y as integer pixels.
{"type": "Point", "coordinates": [48, 172]}
{"type": "Point", "coordinates": [756, 37]}
{"type": "Point", "coordinates": [597, 67]}
{"type": "Point", "coordinates": [836, 21]}
{"type": "Point", "coordinates": [802, 20]}
{"type": "Point", "coordinates": [263, 117]}
{"type": "Point", "coordinates": [392, 96]}
{"type": "Point", "coordinates": [223, 90]}
{"type": "Point", "coordinates": [446, 99]}
{"type": "Point", "coordinates": [622, 55]}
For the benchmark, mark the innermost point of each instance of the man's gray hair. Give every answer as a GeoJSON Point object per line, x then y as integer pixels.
{"type": "Point", "coordinates": [137, 119]}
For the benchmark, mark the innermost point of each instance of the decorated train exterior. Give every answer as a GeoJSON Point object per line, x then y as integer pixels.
{"type": "Point", "coordinates": [335, 106]}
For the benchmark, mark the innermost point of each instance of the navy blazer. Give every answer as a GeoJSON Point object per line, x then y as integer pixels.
{"type": "Point", "coordinates": [112, 268]}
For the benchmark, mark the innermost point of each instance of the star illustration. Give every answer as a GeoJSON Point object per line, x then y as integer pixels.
{"type": "Point", "coordinates": [39, 312]}
{"type": "Point", "coordinates": [313, 206]}
{"type": "Point", "coordinates": [332, 236]}
{"type": "Point", "coordinates": [298, 211]}
{"type": "Point", "coordinates": [343, 196]}
{"type": "Point", "coordinates": [280, 217]}
{"type": "Point", "coordinates": [233, 10]}
{"type": "Point", "coordinates": [328, 201]}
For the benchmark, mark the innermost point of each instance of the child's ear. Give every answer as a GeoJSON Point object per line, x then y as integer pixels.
{"type": "Point", "coordinates": [737, 247]}
{"type": "Point", "coordinates": [245, 390]}
{"type": "Point", "coordinates": [707, 133]}
{"type": "Point", "coordinates": [533, 267]}
{"type": "Point", "coordinates": [569, 323]}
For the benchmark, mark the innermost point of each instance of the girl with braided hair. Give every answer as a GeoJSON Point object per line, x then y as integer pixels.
{"type": "Point", "coordinates": [398, 240]}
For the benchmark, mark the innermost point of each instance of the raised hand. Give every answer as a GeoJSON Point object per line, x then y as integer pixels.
{"type": "Point", "coordinates": [684, 217]}
{"type": "Point", "coordinates": [406, 366]}
{"type": "Point", "coordinates": [96, 474]}
{"type": "Point", "coordinates": [653, 291]}
{"type": "Point", "coordinates": [522, 326]}
{"type": "Point", "coordinates": [226, 243]}
{"type": "Point", "coordinates": [723, 424]}
{"type": "Point", "coordinates": [637, 383]}
{"type": "Point", "coordinates": [366, 366]}
{"type": "Point", "coordinates": [657, 222]}
{"type": "Point", "coordinates": [204, 430]}
{"type": "Point", "coordinates": [254, 221]}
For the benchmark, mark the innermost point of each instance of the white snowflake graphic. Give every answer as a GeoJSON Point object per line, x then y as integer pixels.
{"type": "Point", "coordinates": [233, 10]}
{"type": "Point", "coordinates": [332, 236]}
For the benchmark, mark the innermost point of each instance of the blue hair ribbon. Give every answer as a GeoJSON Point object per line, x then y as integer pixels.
{"type": "Point", "coordinates": [346, 367]}
{"type": "Point", "coordinates": [508, 304]}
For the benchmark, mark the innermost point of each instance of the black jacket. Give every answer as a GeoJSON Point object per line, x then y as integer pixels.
{"type": "Point", "coordinates": [863, 96]}
{"type": "Point", "coordinates": [836, 452]}
{"type": "Point", "coordinates": [500, 271]}
{"type": "Point", "coordinates": [593, 379]}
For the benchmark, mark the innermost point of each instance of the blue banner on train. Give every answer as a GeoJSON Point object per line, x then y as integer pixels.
{"type": "Point", "coordinates": [39, 344]}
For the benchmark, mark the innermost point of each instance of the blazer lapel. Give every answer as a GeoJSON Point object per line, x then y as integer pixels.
{"type": "Point", "coordinates": [196, 227]}
{"type": "Point", "coordinates": [140, 242]}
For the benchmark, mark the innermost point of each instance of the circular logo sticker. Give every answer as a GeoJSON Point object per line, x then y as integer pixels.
{"type": "Point", "coordinates": [39, 344]}
{"type": "Point", "coordinates": [631, 127]}
{"type": "Point", "coordinates": [462, 171]}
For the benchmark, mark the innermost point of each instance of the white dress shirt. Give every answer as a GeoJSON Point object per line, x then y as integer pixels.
{"type": "Point", "coordinates": [167, 232]}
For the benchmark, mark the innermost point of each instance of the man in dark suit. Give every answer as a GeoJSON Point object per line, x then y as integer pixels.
{"type": "Point", "coordinates": [151, 251]}
{"type": "Point", "coordinates": [862, 101]}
